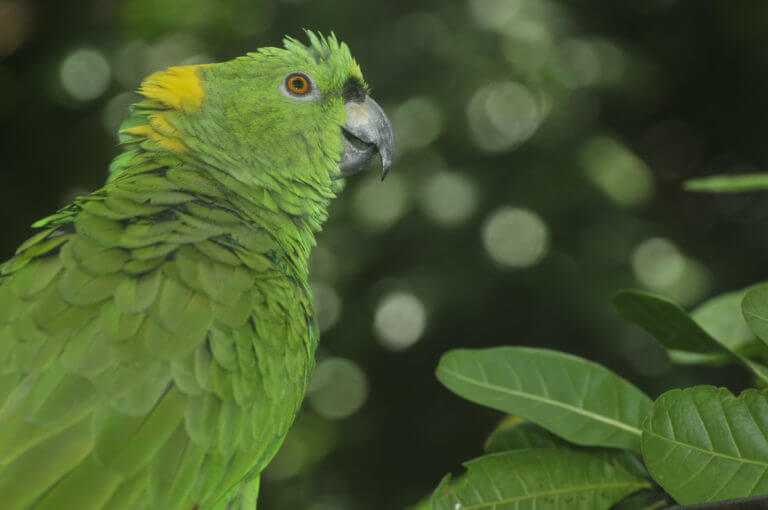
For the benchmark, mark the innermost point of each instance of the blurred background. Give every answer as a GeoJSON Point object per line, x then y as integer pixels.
{"type": "Point", "coordinates": [542, 147]}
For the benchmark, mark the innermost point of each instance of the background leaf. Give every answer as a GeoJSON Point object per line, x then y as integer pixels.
{"type": "Point", "coordinates": [755, 310]}
{"type": "Point", "coordinates": [697, 358]}
{"type": "Point", "coordinates": [729, 183]}
{"type": "Point", "coordinates": [751, 503]}
{"type": "Point", "coordinates": [721, 317]}
{"type": "Point", "coordinates": [704, 444]}
{"type": "Point", "coordinates": [644, 500]}
{"type": "Point", "coordinates": [424, 504]}
{"type": "Point", "coordinates": [531, 478]}
{"type": "Point", "coordinates": [517, 435]}
{"type": "Point", "coordinates": [576, 399]}
{"type": "Point", "coordinates": [671, 325]}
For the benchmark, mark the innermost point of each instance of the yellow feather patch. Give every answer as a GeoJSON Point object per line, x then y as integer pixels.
{"type": "Point", "coordinates": [160, 124]}
{"type": "Point", "coordinates": [162, 139]}
{"type": "Point", "coordinates": [176, 87]}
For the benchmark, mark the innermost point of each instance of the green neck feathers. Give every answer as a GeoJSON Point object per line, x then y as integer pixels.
{"type": "Point", "coordinates": [273, 157]}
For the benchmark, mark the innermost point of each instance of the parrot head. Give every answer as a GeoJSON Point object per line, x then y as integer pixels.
{"type": "Point", "coordinates": [301, 113]}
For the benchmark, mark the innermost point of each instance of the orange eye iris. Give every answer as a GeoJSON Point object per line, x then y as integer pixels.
{"type": "Point", "coordinates": [297, 84]}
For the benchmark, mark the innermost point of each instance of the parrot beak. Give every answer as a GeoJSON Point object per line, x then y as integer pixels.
{"type": "Point", "coordinates": [367, 132]}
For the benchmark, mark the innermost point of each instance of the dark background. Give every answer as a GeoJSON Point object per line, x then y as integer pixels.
{"type": "Point", "coordinates": [543, 149]}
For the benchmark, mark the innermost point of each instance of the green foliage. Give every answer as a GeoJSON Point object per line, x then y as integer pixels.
{"type": "Point", "coordinates": [704, 444]}
{"type": "Point", "coordinates": [588, 405]}
{"type": "Point", "coordinates": [729, 183]}
{"type": "Point", "coordinates": [678, 331]}
{"type": "Point", "coordinates": [534, 478]}
{"type": "Point", "coordinates": [721, 318]}
{"type": "Point", "coordinates": [515, 434]}
{"type": "Point", "coordinates": [572, 440]}
{"type": "Point", "coordinates": [755, 309]}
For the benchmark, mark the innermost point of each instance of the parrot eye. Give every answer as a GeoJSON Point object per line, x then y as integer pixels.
{"type": "Point", "coordinates": [298, 84]}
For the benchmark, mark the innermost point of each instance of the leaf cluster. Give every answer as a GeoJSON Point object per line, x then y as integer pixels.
{"type": "Point", "coordinates": [579, 436]}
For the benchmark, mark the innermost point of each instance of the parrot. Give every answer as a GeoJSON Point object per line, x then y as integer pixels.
{"type": "Point", "coordinates": [157, 335]}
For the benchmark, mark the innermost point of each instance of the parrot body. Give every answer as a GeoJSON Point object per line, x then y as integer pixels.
{"type": "Point", "coordinates": [157, 335]}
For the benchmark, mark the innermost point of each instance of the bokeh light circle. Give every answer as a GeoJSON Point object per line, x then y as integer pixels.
{"type": "Point", "coordinates": [399, 321]}
{"type": "Point", "coordinates": [327, 305]}
{"type": "Point", "coordinates": [85, 74]}
{"type": "Point", "coordinates": [380, 204]}
{"type": "Point", "coordinates": [338, 388]}
{"type": "Point", "coordinates": [515, 237]}
{"type": "Point", "coordinates": [503, 115]}
{"type": "Point", "coordinates": [417, 122]}
{"type": "Point", "coordinates": [449, 198]}
{"type": "Point", "coordinates": [657, 262]}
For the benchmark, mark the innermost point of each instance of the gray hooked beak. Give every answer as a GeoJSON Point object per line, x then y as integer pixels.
{"type": "Point", "coordinates": [366, 133]}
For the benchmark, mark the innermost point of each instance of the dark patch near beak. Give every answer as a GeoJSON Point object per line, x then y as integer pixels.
{"type": "Point", "coordinates": [367, 132]}
{"type": "Point", "coordinates": [353, 91]}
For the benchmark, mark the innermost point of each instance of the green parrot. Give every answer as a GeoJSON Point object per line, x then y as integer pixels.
{"type": "Point", "coordinates": [157, 335]}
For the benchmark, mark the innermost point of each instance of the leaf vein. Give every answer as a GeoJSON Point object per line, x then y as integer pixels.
{"type": "Point", "coordinates": [558, 492]}
{"type": "Point", "coordinates": [589, 414]}
{"type": "Point", "coordinates": [709, 452]}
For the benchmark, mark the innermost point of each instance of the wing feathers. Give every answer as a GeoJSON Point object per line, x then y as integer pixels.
{"type": "Point", "coordinates": [148, 352]}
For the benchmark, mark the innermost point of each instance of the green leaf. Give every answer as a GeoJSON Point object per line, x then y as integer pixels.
{"type": "Point", "coordinates": [697, 358]}
{"type": "Point", "coordinates": [666, 321]}
{"type": "Point", "coordinates": [755, 310]}
{"type": "Point", "coordinates": [721, 317]}
{"type": "Point", "coordinates": [674, 328]}
{"type": "Point", "coordinates": [424, 504]}
{"type": "Point", "coordinates": [750, 503]}
{"type": "Point", "coordinates": [728, 183]}
{"type": "Point", "coordinates": [536, 478]}
{"type": "Point", "coordinates": [704, 444]}
{"type": "Point", "coordinates": [576, 399]}
{"type": "Point", "coordinates": [514, 434]}
{"type": "Point", "coordinates": [517, 435]}
{"type": "Point", "coordinates": [643, 500]}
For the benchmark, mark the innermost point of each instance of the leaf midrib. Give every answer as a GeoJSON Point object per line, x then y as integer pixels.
{"type": "Point", "coordinates": [555, 403]}
{"type": "Point", "coordinates": [709, 452]}
{"type": "Point", "coordinates": [557, 492]}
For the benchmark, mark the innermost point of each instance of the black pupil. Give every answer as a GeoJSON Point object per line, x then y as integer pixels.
{"type": "Point", "coordinates": [298, 84]}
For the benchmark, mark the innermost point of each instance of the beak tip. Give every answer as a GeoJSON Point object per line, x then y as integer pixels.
{"type": "Point", "coordinates": [366, 123]}
{"type": "Point", "coordinates": [386, 164]}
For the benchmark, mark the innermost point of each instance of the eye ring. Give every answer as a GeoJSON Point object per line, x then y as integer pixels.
{"type": "Point", "coordinates": [298, 84]}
